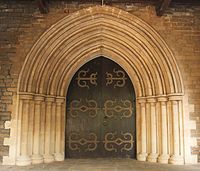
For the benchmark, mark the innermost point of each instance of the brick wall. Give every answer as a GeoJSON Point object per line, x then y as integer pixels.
{"type": "Point", "coordinates": [21, 24]}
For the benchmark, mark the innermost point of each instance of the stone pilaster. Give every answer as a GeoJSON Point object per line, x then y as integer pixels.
{"type": "Point", "coordinates": [48, 157]}
{"type": "Point", "coordinates": [37, 157]}
{"type": "Point", "coordinates": [152, 157]}
{"type": "Point", "coordinates": [53, 128]}
{"type": "Point", "coordinates": [164, 156]}
{"type": "Point", "coordinates": [59, 156]}
{"type": "Point", "coordinates": [176, 158]}
{"type": "Point", "coordinates": [142, 155]}
{"type": "Point", "coordinates": [24, 159]}
{"type": "Point", "coordinates": [63, 111]}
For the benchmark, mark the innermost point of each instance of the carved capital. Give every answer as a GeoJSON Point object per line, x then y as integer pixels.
{"type": "Point", "coordinates": [162, 99]}
{"type": "Point", "coordinates": [60, 100]}
{"type": "Point", "coordinates": [39, 97]}
{"type": "Point", "coordinates": [175, 98]}
{"type": "Point", "coordinates": [50, 99]}
{"type": "Point", "coordinates": [26, 96]}
{"type": "Point", "coordinates": [151, 99]}
{"type": "Point", "coordinates": [141, 100]}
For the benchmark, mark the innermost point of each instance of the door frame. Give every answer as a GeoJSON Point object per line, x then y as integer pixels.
{"type": "Point", "coordinates": [134, 104]}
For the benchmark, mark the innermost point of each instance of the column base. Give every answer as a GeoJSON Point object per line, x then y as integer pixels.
{"type": "Point", "coordinates": [37, 159]}
{"type": "Point", "coordinates": [23, 161]}
{"type": "Point", "coordinates": [59, 157]}
{"type": "Point", "coordinates": [142, 157]}
{"type": "Point", "coordinates": [48, 158]}
{"type": "Point", "coordinates": [163, 158]}
{"type": "Point", "coordinates": [176, 159]}
{"type": "Point", "coordinates": [152, 157]}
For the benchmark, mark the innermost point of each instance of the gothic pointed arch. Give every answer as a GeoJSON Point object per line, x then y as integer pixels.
{"type": "Point", "coordinates": [125, 39]}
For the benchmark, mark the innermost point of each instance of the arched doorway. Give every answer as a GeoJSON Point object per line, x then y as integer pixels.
{"type": "Point", "coordinates": [100, 112]}
{"type": "Point", "coordinates": [161, 120]}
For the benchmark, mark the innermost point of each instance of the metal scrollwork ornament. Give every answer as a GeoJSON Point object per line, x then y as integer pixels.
{"type": "Point", "coordinates": [111, 142]}
{"type": "Point", "coordinates": [87, 106]}
{"type": "Point", "coordinates": [119, 79]}
{"type": "Point", "coordinates": [124, 107]}
{"type": "Point", "coordinates": [76, 142]}
{"type": "Point", "coordinates": [83, 79]}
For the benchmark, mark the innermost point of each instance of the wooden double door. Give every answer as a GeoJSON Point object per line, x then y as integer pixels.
{"type": "Point", "coordinates": [100, 118]}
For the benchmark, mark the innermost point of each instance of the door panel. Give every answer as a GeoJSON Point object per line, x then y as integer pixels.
{"type": "Point", "coordinates": [100, 112]}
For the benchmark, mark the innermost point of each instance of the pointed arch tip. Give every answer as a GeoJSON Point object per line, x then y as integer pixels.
{"type": "Point", "coordinates": [142, 50]}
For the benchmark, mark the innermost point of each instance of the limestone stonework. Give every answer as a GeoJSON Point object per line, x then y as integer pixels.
{"type": "Point", "coordinates": [59, 43]}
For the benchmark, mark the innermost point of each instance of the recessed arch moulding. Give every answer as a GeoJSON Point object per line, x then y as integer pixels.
{"type": "Point", "coordinates": [37, 129]}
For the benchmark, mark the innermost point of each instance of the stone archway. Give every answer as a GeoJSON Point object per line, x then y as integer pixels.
{"type": "Point", "coordinates": [71, 42]}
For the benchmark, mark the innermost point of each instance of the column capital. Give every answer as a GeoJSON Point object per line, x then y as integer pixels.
{"type": "Point", "coordinates": [162, 99]}
{"type": "Point", "coordinates": [39, 97]}
{"type": "Point", "coordinates": [175, 97]}
{"type": "Point", "coordinates": [141, 100]}
{"type": "Point", "coordinates": [60, 99]}
{"type": "Point", "coordinates": [50, 99]}
{"type": "Point", "coordinates": [26, 96]}
{"type": "Point", "coordinates": [151, 99]}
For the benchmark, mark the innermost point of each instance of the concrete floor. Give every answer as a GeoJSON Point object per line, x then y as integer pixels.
{"type": "Point", "coordinates": [102, 165]}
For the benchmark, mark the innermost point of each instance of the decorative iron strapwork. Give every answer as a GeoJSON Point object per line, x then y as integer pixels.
{"type": "Point", "coordinates": [112, 142]}
{"type": "Point", "coordinates": [85, 106]}
{"type": "Point", "coordinates": [118, 78]}
{"type": "Point", "coordinates": [83, 80]}
{"type": "Point", "coordinates": [76, 142]}
{"type": "Point", "coordinates": [122, 107]}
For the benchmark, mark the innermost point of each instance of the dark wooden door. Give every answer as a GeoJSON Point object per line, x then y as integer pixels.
{"type": "Point", "coordinates": [100, 112]}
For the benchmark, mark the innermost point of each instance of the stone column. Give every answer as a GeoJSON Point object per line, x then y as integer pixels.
{"type": "Point", "coordinates": [53, 128]}
{"type": "Point", "coordinates": [176, 158]}
{"type": "Point", "coordinates": [143, 151]}
{"type": "Point", "coordinates": [24, 158]}
{"type": "Point", "coordinates": [58, 146]}
{"type": "Point", "coordinates": [42, 127]}
{"type": "Point", "coordinates": [180, 104]}
{"type": "Point", "coordinates": [63, 109]}
{"type": "Point", "coordinates": [153, 155]}
{"type": "Point", "coordinates": [48, 157]}
{"type": "Point", "coordinates": [37, 157]}
{"type": "Point", "coordinates": [164, 157]}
